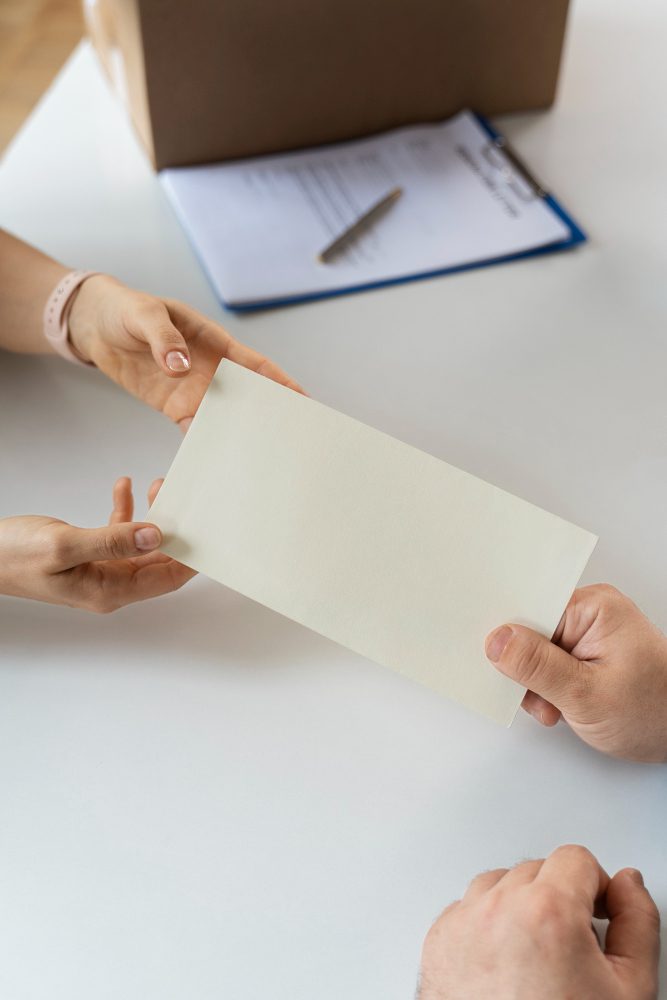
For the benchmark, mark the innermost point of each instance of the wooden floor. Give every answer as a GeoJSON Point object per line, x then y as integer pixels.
{"type": "Point", "coordinates": [36, 37]}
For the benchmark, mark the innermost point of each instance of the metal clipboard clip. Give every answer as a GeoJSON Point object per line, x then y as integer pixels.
{"type": "Point", "coordinates": [502, 157]}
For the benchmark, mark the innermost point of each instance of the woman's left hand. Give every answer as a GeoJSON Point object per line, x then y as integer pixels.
{"type": "Point", "coordinates": [97, 569]}
{"type": "Point", "coordinates": [160, 350]}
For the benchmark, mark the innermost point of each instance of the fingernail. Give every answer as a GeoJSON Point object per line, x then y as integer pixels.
{"type": "Point", "coordinates": [636, 876]}
{"type": "Point", "coordinates": [147, 539]}
{"type": "Point", "coordinates": [177, 361]}
{"type": "Point", "coordinates": [496, 642]}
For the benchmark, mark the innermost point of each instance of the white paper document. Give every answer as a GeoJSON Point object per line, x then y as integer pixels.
{"type": "Point", "coordinates": [362, 538]}
{"type": "Point", "coordinates": [258, 225]}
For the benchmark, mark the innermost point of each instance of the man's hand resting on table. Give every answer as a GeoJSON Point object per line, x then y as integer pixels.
{"type": "Point", "coordinates": [99, 569]}
{"type": "Point", "coordinates": [604, 672]}
{"type": "Point", "coordinates": [525, 934]}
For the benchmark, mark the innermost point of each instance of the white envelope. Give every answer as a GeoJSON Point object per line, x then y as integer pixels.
{"type": "Point", "coordinates": [368, 541]}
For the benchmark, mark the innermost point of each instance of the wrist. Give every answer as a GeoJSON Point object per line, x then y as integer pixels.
{"type": "Point", "coordinates": [5, 589]}
{"type": "Point", "coordinates": [84, 315]}
{"type": "Point", "coordinates": [13, 569]}
{"type": "Point", "coordinates": [56, 315]}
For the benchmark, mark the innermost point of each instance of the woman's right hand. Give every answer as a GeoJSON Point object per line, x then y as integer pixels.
{"type": "Point", "coordinates": [98, 569]}
{"type": "Point", "coordinates": [160, 350]}
{"type": "Point", "coordinates": [604, 672]}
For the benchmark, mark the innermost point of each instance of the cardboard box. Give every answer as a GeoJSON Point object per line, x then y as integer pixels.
{"type": "Point", "coordinates": [212, 80]}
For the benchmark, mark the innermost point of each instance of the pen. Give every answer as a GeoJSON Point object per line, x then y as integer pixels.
{"type": "Point", "coordinates": [362, 223]}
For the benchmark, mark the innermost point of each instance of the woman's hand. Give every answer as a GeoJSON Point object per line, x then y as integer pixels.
{"type": "Point", "coordinates": [604, 672]}
{"type": "Point", "coordinates": [160, 350]}
{"type": "Point", "coordinates": [98, 569]}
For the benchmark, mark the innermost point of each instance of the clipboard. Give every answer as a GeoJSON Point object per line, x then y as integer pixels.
{"type": "Point", "coordinates": [498, 156]}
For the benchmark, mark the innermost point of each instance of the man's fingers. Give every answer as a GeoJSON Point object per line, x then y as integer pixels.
{"type": "Point", "coordinates": [123, 501]}
{"type": "Point", "coordinates": [539, 665]}
{"type": "Point", "coordinates": [74, 546]}
{"type": "Point", "coordinates": [154, 579]}
{"type": "Point", "coordinates": [574, 869]}
{"type": "Point", "coordinates": [522, 873]}
{"type": "Point", "coordinates": [633, 934]}
{"type": "Point", "coordinates": [540, 709]}
{"type": "Point", "coordinates": [147, 580]}
{"type": "Point", "coordinates": [168, 346]}
{"type": "Point", "coordinates": [483, 882]}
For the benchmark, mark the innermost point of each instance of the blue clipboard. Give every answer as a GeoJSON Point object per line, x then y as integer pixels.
{"type": "Point", "coordinates": [575, 237]}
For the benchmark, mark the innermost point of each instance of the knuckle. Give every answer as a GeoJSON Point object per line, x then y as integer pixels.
{"type": "Point", "coordinates": [168, 336]}
{"type": "Point", "coordinates": [615, 608]}
{"type": "Point", "coordinates": [154, 314]}
{"type": "Point", "coordinates": [265, 367]}
{"type": "Point", "coordinates": [433, 938]}
{"type": "Point", "coordinates": [477, 880]}
{"type": "Point", "coordinates": [612, 601]}
{"type": "Point", "coordinates": [491, 906]}
{"type": "Point", "coordinates": [529, 655]}
{"type": "Point", "coordinates": [608, 593]}
{"type": "Point", "coordinates": [487, 877]}
{"type": "Point", "coordinates": [577, 853]}
{"type": "Point", "coordinates": [110, 546]}
{"type": "Point", "coordinates": [546, 906]}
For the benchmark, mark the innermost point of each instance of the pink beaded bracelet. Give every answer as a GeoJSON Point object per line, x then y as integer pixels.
{"type": "Point", "coordinates": [56, 315]}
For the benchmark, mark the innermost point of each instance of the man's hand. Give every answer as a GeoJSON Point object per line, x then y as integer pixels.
{"type": "Point", "coordinates": [160, 350]}
{"type": "Point", "coordinates": [525, 934]}
{"type": "Point", "coordinates": [605, 672]}
{"type": "Point", "coordinates": [99, 569]}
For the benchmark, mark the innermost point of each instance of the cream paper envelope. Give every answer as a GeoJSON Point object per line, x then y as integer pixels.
{"type": "Point", "coordinates": [374, 544]}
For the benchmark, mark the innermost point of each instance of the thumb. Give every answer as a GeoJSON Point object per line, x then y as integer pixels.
{"type": "Point", "coordinates": [116, 541]}
{"type": "Point", "coordinates": [539, 665]}
{"type": "Point", "coordinates": [633, 934]}
{"type": "Point", "coordinates": [166, 342]}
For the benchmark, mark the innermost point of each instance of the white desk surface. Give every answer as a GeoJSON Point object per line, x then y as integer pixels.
{"type": "Point", "coordinates": [200, 799]}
